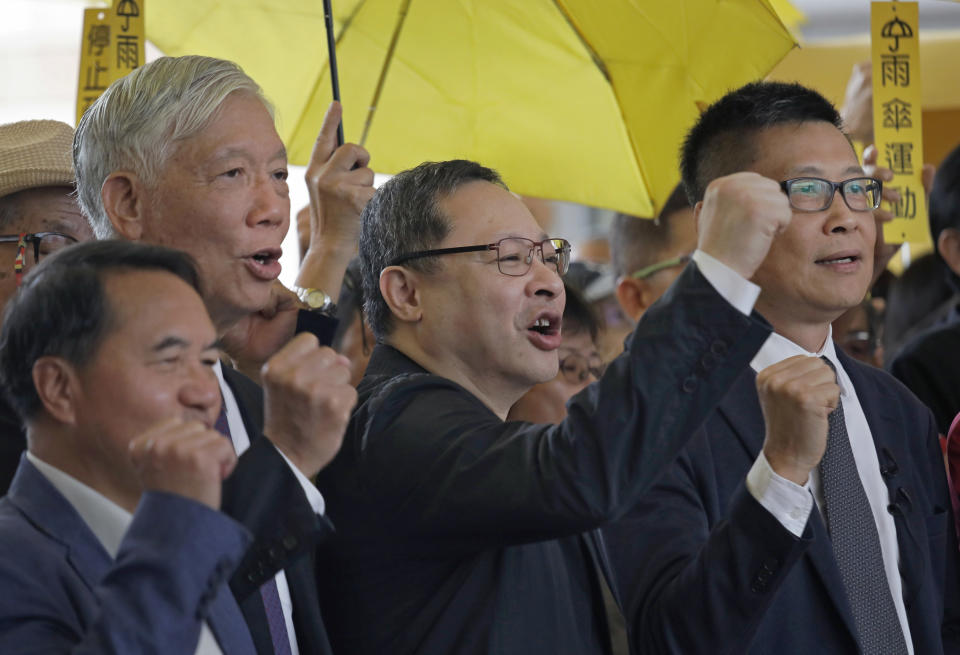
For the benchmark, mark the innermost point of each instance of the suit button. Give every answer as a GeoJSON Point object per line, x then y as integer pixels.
{"type": "Point", "coordinates": [290, 542]}
{"type": "Point", "coordinates": [708, 361]}
{"type": "Point", "coordinates": [689, 384]}
{"type": "Point", "coordinates": [718, 347]}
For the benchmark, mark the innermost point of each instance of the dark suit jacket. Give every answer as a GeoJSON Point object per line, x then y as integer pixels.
{"type": "Point", "coordinates": [704, 568]}
{"type": "Point", "coordinates": [459, 533]}
{"type": "Point", "coordinates": [12, 443]}
{"type": "Point", "coordinates": [264, 495]}
{"type": "Point", "coordinates": [62, 592]}
{"type": "Point", "coordinates": [929, 365]}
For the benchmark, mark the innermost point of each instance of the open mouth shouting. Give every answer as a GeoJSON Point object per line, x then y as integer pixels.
{"type": "Point", "coordinates": [264, 264]}
{"type": "Point", "coordinates": [842, 262]}
{"type": "Point", "coordinates": [544, 331]}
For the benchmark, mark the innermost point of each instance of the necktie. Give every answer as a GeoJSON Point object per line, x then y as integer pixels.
{"type": "Point", "coordinates": [268, 591]}
{"type": "Point", "coordinates": [856, 544]}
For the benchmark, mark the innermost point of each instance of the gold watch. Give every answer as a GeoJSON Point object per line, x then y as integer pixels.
{"type": "Point", "coordinates": [317, 300]}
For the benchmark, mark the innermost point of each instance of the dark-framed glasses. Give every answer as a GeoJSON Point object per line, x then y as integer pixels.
{"type": "Point", "coordinates": [814, 194]}
{"type": "Point", "coordinates": [577, 368]}
{"type": "Point", "coordinates": [514, 254]}
{"type": "Point", "coordinates": [43, 243]}
{"type": "Point", "coordinates": [647, 271]}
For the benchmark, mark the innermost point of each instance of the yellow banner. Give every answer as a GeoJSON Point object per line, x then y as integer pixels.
{"type": "Point", "coordinates": [96, 57]}
{"type": "Point", "coordinates": [128, 36]}
{"type": "Point", "coordinates": [897, 125]}
{"type": "Point", "coordinates": [113, 44]}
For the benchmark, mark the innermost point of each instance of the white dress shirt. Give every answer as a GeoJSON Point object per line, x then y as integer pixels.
{"type": "Point", "coordinates": [108, 522]}
{"type": "Point", "coordinates": [791, 503]}
{"type": "Point", "coordinates": [241, 441]}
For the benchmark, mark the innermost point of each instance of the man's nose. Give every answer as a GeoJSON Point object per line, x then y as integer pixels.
{"type": "Point", "coordinates": [271, 203]}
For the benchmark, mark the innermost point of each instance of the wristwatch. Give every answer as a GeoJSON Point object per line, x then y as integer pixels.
{"type": "Point", "coordinates": [317, 300]}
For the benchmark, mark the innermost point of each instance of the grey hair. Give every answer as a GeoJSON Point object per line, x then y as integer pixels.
{"type": "Point", "coordinates": [139, 119]}
{"type": "Point", "coordinates": [403, 217]}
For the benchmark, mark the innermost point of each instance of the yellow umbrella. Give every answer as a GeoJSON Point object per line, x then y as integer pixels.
{"type": "Point", "coordinates": [577, 100]}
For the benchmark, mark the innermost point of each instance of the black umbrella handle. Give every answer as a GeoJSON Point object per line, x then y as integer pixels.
{"type": "Point", "coordinates": [332, 59]}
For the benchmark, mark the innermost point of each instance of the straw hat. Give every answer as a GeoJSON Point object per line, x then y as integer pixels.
{"type": "Point", "coordinates": [35, 154]}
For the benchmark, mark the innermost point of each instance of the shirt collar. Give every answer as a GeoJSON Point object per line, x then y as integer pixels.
{"type": "Point", "coordinates": [107, 520]}
{"type": "Point", "coordinates": [778, 348]}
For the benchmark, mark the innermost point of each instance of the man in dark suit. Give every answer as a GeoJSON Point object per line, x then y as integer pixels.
{"type": "Point", "coordinates": [183, 152]}
{"type": "Point", "coordinates": [766, 535]}
{"type": "Point", "coordinates": [459, 532]}
{"type": "Point", "coordinates": [929, 363]}
{"type": "Point", "coordinates": [110, 538]}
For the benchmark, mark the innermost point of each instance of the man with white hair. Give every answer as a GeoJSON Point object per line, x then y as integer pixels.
{"type": "Point", "coordinates": [183, 152]}
{"type": "Point", "coordinates": [38, 216]}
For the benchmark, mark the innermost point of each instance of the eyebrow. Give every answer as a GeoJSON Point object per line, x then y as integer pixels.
{"type": "Point", "coordinates": [229, 152]}
{"type": "Point", "coordinates": [179, 342]}
{"type": "Point", "coordinates": [816, 170]}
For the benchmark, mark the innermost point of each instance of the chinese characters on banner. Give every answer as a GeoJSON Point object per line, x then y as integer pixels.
{"type": "Point", "coordinates": [896, 115]}
{"type": "Point", "coordinates": [113, 44]}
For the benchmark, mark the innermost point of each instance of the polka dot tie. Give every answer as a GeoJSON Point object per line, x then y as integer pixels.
{"type": "Point", "coordinates": [856, 544]}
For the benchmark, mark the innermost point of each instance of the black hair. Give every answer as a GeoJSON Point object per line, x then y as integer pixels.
{"type": "Point", "coordinates": [579, 316]}
{"type": "Point", "coordinates": [62, 309]}
{"type": "Point", "coordinates": [720, 143]}
{"type": "Point", "coordinates": [944, 209]}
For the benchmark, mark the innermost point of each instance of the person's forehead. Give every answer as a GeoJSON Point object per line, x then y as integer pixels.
{"type": "Point", "coordinates": [51, 209]}
{"type": "Point", "coordinates": [485, 209]}
{"type": "Point", "coordinates": [148, 303]}
{"type": "Point", "coordinates": [809, 149]}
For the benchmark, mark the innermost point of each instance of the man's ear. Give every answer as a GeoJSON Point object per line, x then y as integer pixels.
{"type": "Point", "coordinates": [633, 296]}
{"type": "Point", "coordinates": [696, 216]}
{"type": "Point", "coordinates": [398, 286]}
{"type": "Point", "coordinates": [123, 196]}
{"type": "Point", "coordinates": [948, 245]}
{"type": "Point", "coordinates": [56, 383]}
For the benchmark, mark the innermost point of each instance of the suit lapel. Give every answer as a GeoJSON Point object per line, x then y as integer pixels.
{"type": "Point", "coordinates": [882, 410]}
{"type": "Point", "coordinates": [741, 410]}
{"type": "Point", "coordinates": [52, 514]}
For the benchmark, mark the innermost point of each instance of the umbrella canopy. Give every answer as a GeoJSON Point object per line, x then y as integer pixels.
{"type": "Point", "coordinates": [574, 100]}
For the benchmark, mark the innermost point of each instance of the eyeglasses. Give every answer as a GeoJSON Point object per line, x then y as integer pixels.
{"type": "Point", "coordinates": [647, 271]}
{"type": "Point", "coordinates": [813, 194]}
{"type": "Point", "coordinates": [44, 243]}
{"type": "Point", "coordinates": [514, 254]}
{"type": "Point", "coordinates": [577, 368]}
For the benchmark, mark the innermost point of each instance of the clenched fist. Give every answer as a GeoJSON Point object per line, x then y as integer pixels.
{"type": "Point", "coordinates": [797, 396]}
{"type": "Point", "coordinates": [184, 458]}
{"type": "Point", "coordinates": [308, 399]}
{"type": "Point", "coordinates": [738, 219]}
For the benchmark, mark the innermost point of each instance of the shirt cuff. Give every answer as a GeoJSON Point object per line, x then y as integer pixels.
{"type": "Point", "coordinates": [733, 287]}
{"type": "Point", "coordinates": [787, 501]}
{"type": "Point", "coordinates": [314, 497]}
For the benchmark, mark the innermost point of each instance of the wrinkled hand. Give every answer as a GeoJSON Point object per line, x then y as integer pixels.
{"type": "Point", "coordinates": [738, 219]}
{"type": "Point", "coordinates": [184, 458]}
{"type": "Point", "coordinates": [254, 339]}
{"type": "Point", "coordinates": [339, 183]}
{"type": "Point", "coordinates": [796, 396]}
{"type": "Point", "coordinates": [857, 111]}
{"type": "Point", "coordinates": [308, 399]}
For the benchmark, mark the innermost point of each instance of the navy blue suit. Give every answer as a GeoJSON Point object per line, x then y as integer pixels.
{"type": "Point", "coordinates": [62, 592]}
{"type": "Point", "coordinates": [704, 568]}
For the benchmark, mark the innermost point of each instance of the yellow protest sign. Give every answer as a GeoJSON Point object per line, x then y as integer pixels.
{"type": "Point", "coordinates": [128, 36]}
{"type": "Point", "coordinates": [897, 115]}
{"type": "Point", "coordinates": [113, 45]}
{"type": "Point", "coordinates": [96, 60]}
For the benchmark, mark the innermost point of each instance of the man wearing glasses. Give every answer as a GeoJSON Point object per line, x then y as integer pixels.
{"type": "Point", "coordinates": [38, 216]}
{"type": "Point", "coordinates": [459, 532]}
{"type": "Point", "coordinates": [649, 255]}
{"type": "Point", "coordinates": [810, 512]}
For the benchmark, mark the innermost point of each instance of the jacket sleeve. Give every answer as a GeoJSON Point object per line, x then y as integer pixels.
{"type": "Point", "coordinates": [442, 464]}
{"type": "Point", "coordinates": [686, 587]}
{"type": "Point", "coordinates": [174, 560]}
